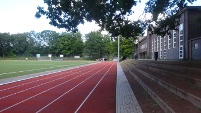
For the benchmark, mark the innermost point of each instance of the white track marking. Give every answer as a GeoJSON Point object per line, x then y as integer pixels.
{"type": "Point", "coordinates": [36, 80]}
{"type": "Point", "coordinates": [69, 91]}
{"type": "Point", "coordinates": [34, 69]}
{"type": "Point", "coordinates": [22, 71]}
{"type": "Point", "coordinates": [92, 90]}
{"type": "Point", "coordinates": [41, 84]}
{"type": "Point", "coordinates": [42, 92]}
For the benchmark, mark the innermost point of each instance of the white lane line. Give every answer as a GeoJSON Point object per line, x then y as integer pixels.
{"type": "Point", "coordinates": [55, 75]}
{"type": "Point", "coordinates": [68, 91]}
{"type": "Point", "coordinates": [44, 91]}
{"type": "Point", "coordinates": [39, 85]}
{"type": "Point", "coordinates": [50, 72]}
{"type": "Point", "coordinates": [34, 69]}
{"type": "Point", "coordinates": [92, 91]}
{"type": "Point", "coordinates": [21, 71]}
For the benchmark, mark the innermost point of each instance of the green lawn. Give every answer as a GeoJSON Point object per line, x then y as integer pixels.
{"type": "Point", "coordinates": [15, 68]}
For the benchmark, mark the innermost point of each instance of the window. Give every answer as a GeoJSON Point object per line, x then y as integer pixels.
{"type": "Point", "coordinates": [174, 38]}
{"type": "Point", "coordinates": [164, 48]}
{"type": "Point", "coordinates": [155, 45]}
{"type": "Point", "coordinates": [164, 43]}
{"type": "Point", "coordinates": [181, 41]}
{"type": "Point", "coordinates": [161, 47]}
{"type": "Point", "coordinates": [169, 42]}
{"type": "Point", "coordinates": [196, 45]}
{"type": "Point", "coordinates": [152, 45]}
{"type": "Point", "coordinates": [161, 41]}
{"type": "Point", "coordinates": [152, 48]}
{"type": "Point", "coordinates": [144, 46]}
{"type": "Point", "coordinates": [158, 43]}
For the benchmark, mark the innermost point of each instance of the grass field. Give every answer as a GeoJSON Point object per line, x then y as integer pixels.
{"type": "Point", "coordinates": [9, 68]}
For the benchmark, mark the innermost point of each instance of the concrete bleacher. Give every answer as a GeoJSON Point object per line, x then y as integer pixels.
{"type": "Point", "coordinates": [166, 81]}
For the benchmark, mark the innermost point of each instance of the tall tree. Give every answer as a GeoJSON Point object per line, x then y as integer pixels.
{"type": "Point", "coordinates": [31, 45]}
{"type": "Point", "coordinates": [95, 45]}
{"type": "Point", "coordinates": [112, 14]}
{"type": "Point", "coordinates": [109, 14]}
{"type": "Point", "coordinates": [69, 44]}
{"type": "Point", "coordinates": [4, 43]}
{"type": "Point", "coordinates": [108, 46]}
{"type": "Point", "coordinates": [77, 44]}
{"type": "Point", "coordinates": [127, 47]}
{"type": "Point", "coordinates": [19, 43]}
{"type": "Point", "coordinates": [47, 40]}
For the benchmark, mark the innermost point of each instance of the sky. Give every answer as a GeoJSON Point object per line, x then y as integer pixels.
{"type": "Point", "coordinates": [17, 16]}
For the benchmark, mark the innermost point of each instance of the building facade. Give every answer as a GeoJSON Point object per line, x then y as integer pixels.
{"type": "Point", "coordinates": [183, 44]}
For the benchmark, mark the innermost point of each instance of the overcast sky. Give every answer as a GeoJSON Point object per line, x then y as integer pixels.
{"type": "Point", "coordinates": [17, 16]}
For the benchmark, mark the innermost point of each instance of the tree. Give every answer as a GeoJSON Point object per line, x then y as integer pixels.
{"type": "Point", "coordinates": [170, 9]}
{"type": "Point", "coordinates": [69, 44]}
{"type": "Point", "coordinates": [19, 43]}
{"type": "Point", "coordinates": [97, 45]}
{"type": "Point", "coordinates": [47, 40]}
{"type": "Point", "coordinates": [112, 15]}
{"type": "Point", "coordinates": [77, 44]}
{"type": "Point", "coordinates": [31, 45]}
{"type": "Point", "coordinates": [4, 43]}
{"type": "Point", "coordinates": [108, 46]}
{"type": "Point", "coordinates": [109, 14]}
{"type": "Point", "coordinates": [12, 45]}
{"type": "Point", "coordinates": [126, 47]}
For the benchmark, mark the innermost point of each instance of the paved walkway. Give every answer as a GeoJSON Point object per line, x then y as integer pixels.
{"type": "Point", "coordinates": [126, 101]}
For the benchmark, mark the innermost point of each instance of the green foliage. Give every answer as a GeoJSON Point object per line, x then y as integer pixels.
{"type": "Point", "coordinates": [69, 44]}
{"type": "Point", "coordinates": [109, 14]}
{"type": "Point", "coordinates": [127, 47]}
{"type": "Point", "coordinates": [4, 43]}
{"type": "Point", "coordinates": [97, 45]}
{"type": "Point", "coordinates": [45, 42]}
{"type": "Point", "coordinates": [170, 9]}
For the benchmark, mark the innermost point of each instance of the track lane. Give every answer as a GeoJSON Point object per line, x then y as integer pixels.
{"type": "Point", "coordinates": [102, 98]}
{"type": "Point", "coordinates": [37, 82]}
{"type": "Point", "coordinates": [68, 103]}
{"type": "Point", "coordinates": [39, 78]}
{"type": "Point", "coordinates": [31, 105]}
{"type": "Point", "coordinates": [29, 95]}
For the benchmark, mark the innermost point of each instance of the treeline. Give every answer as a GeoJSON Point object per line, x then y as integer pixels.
{"type": "Point", "coordinates": [47, 42]}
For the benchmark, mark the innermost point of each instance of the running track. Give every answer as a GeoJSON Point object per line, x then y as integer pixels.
{"type": "Point", "coordinates": [88, 89]}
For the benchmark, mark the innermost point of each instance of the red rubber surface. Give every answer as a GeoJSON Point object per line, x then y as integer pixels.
{"type": "Point", "coordinates": [89, 89]}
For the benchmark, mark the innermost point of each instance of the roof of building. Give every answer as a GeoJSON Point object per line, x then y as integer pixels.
{"type": "Point", "coordinates": [190, 8]}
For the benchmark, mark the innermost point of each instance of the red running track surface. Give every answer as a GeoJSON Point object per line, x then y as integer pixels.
{"type": "Point", "coordinates": [88, 89]}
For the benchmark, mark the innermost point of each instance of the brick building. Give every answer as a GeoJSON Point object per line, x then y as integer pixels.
{"type": "Point", "coordinates": [185, 43]}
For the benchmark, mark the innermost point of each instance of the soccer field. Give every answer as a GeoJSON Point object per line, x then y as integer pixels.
{"type": "Point", "coordinates": [18, 68]}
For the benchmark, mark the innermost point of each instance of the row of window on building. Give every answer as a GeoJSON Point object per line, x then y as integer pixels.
{"type": "Point", "coordinates": [161, 44]}
{"type": "Point", "coordinates": [183, 43]}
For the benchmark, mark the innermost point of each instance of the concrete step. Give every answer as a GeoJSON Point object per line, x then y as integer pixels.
{"type": "Point", "coordinates": [178, 87]}
{"type": "Point", "coordinates": [161, 90]}
{"type": "Point", "coordinates": [194, 81]}
{"type": "Point", "coordinates": [178, 69]}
